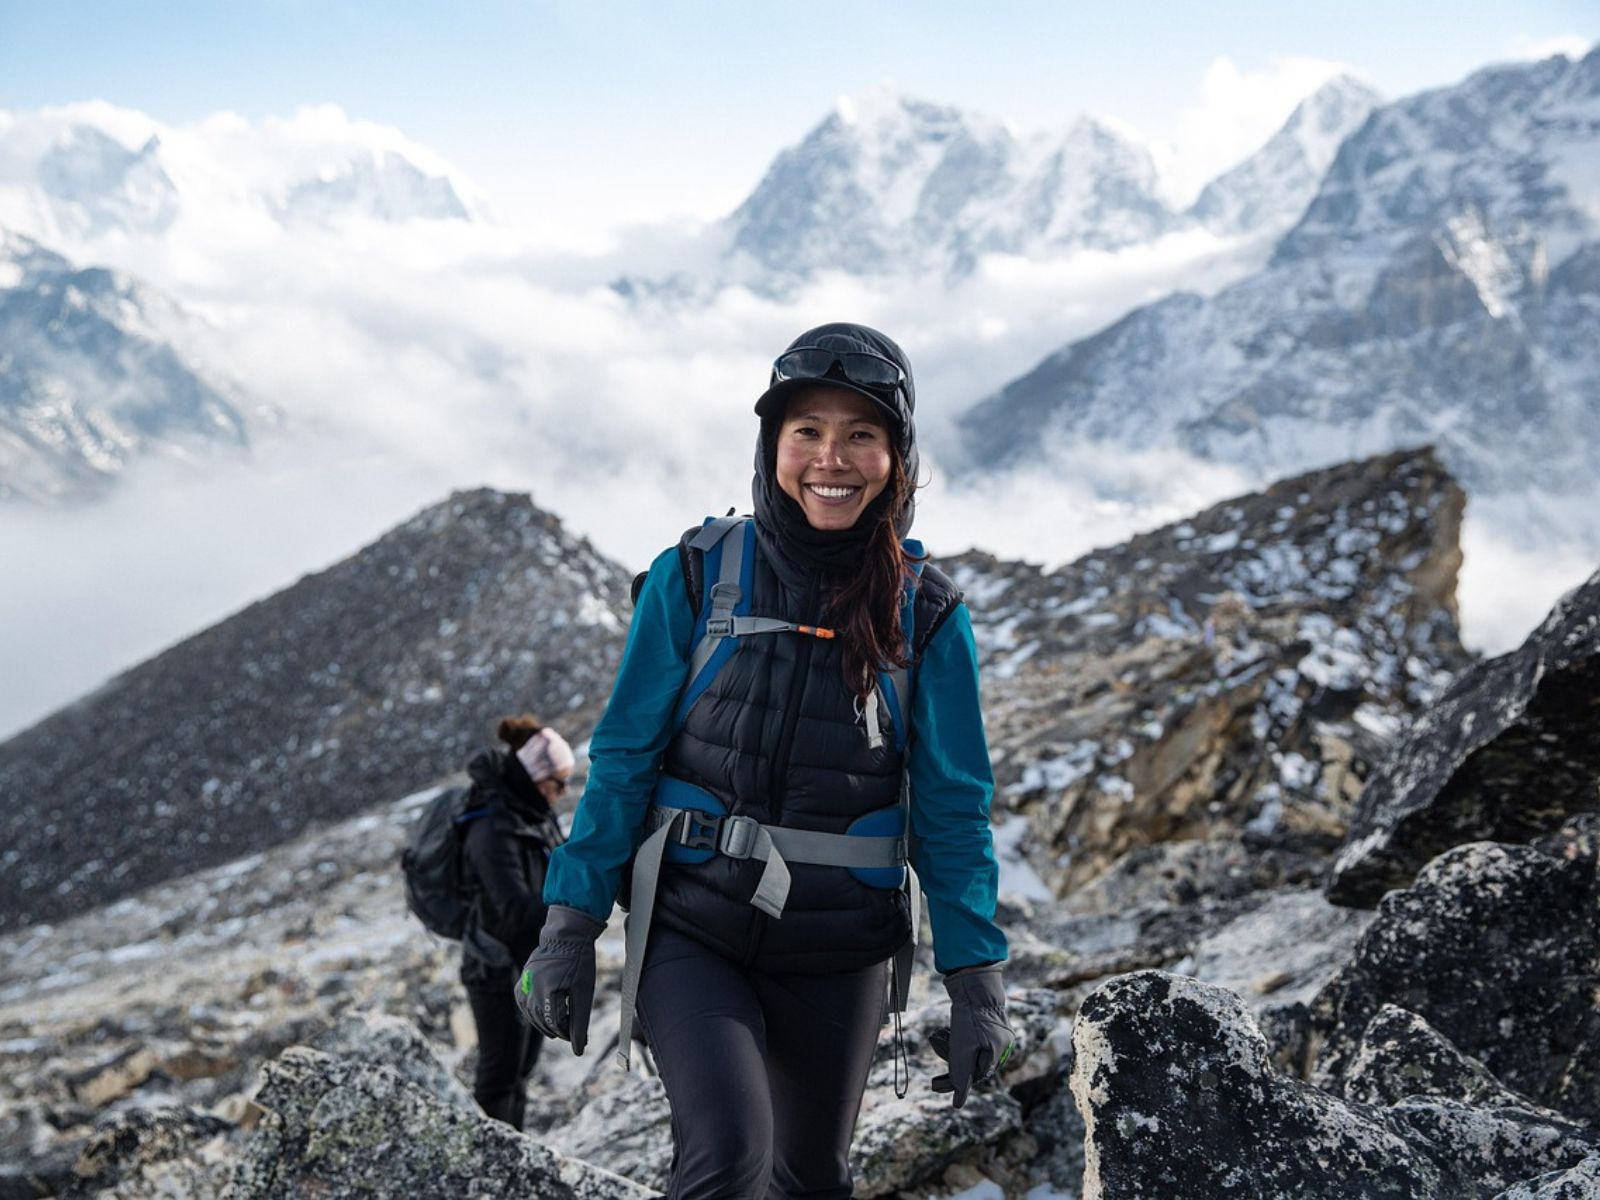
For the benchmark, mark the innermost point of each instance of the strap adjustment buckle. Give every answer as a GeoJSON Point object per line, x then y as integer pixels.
{"type": "Point", "coordinates": [739, 836]}
{"type": "Point", "coordinates": [719, 627]}
{"type": "Point", "coordinates": [699, 831]}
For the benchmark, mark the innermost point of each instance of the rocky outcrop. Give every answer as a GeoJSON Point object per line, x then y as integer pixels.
{"type": "Point", "coordinates": [1582, 1182]}
{"type": "Point", "coordinates": [1179, 1099]}
{"type": "Point", "coordinates": [1238, 672]}
{"type": "Point", "coordinates": [362, 682]}
{"type": "Point", "coordinates": [1496, 947]}
{"type": "Point", "coordinates": [1505, 755]}
{"type": "Point", "coordinates": [341, 1127]}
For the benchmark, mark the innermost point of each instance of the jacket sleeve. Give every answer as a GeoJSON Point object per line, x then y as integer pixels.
{"type": "Point", "coordinates": [952, 784]}
{"type": "Point", "coordinates": [510, 879]}
{"type": "Point", "coordinates": [625, 751]}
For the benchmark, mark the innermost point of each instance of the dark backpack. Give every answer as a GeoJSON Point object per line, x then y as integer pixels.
{"type": "Point", "coordinates": [437, 889]}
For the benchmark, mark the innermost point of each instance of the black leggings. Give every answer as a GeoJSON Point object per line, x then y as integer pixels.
{"type": "Point", "coordinates": [764, 1072]}
{"type": "Point", "coordinates": [508, 1047]}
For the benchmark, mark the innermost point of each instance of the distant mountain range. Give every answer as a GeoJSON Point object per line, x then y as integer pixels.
{"type": "Point", "coordinates": [889, 184]}
{"type": "Point", "coordinates": [76, 173]}
{"type": "Point", "coordinates": [97, 369]}
{"type": "Point", "coordinates": [1443, 286]}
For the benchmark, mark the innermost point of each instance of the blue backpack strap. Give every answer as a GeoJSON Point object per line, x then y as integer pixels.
{"type": "Point", "coordinates": [727, 549]}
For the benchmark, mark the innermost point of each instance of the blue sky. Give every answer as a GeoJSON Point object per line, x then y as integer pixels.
{"type": "Point", "coordinates": [601, 111]}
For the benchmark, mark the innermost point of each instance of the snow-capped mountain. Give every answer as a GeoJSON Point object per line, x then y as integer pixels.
{"type": "Point", "coordinates": [890, 183]}
{"type": "Point", "coordinates": [1443, 286]}
{"type": "Point", "coordinates": [97, 369]}
{"type": "Point", "coordinates": [1274, 185]}
{"type": "Point", "coordinates": [73, 174]}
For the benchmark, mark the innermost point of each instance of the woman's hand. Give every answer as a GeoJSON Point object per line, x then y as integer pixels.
{"type": "Point", "coordinates": [979, 1040]}
{"type": "Point", "coordinates": [556, 990]}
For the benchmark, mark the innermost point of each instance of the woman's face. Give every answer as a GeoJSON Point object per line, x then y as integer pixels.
{"type": "Point", "coordinates": [833, 455]}
{"type": "Point", "coordinates": [551, 787]}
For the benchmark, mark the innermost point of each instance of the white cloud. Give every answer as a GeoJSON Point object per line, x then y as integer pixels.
{"type": "Point", "coordinates": [1236, 112]}
{"type": "Point", "coordinates": [1527, 47]}
{"type": "Point", "coordinates": [414, 359]}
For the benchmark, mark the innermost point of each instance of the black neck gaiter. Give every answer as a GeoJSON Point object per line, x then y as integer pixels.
{"type": "Point", "coordinates": [797, 547]}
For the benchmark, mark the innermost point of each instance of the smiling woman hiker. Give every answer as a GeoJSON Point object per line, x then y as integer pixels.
{"type": "Point", "coordinates": [796, 688]}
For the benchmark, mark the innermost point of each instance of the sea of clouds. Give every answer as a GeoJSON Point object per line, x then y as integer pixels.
{"type": "Point", "coordinates": [408, 360]}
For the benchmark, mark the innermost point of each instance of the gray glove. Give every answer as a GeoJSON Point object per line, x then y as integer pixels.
{"type": "Point", "coordinates": [556, 990]}
{"type": "Point", "coordinates": [978, 1041]}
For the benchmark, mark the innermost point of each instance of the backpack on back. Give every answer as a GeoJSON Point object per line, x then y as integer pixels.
{"type": "Point", "coordinates": [437, 889]}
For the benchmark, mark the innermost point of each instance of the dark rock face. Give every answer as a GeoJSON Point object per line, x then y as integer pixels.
{"type": "Point", "coordinates": [1179, 1100]}
{"type": "Point", "coordinates": [1402, 1055]}
{"type": "Point", "coordinates": [356, 685]}
{"type": "Point", "coordinates": [341, 1127]}
{"type": "Point", "coordinates": [1505, 755]}
{"type": "Point", "coordinates": [1496, 948]}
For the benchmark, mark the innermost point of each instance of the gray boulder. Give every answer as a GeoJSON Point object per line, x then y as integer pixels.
{"type": "Point", "coordinates": [1505, 755]}
{"type": "Point", "coordinates": [340, 1127]}
{"type": "Point", "coordinates": [381, 1040]}
{"type": "Point", "coordinates": [1495, 948]}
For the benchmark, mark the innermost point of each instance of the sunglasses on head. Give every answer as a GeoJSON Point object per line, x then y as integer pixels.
{"type": "Point", "coordinates": [856, 366]}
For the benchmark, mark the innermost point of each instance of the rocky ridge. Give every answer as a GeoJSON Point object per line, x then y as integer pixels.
{"type": "Point", "coordinates": [365, 680]}
{"type": "Point", "coordinates": [1239, 672]}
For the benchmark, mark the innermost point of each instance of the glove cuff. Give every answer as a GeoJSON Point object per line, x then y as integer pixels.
{"type": "Point", "coordinates": [563, 922]}
{"type": "Point", "coordinates": [975, 985]}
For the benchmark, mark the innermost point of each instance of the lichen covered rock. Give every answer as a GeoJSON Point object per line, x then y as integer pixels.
{"type": "Point", "coordinates": [1173, 1081]}
{"type": "Point", "coordinates": [1496, 947]}
{"type": "Point", "coordinates": [339, 1127]}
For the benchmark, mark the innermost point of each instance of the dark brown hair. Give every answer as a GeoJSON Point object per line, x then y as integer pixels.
{"type": "Point", "coordinates": [864, 608]}
{"type": "Point", "coordinates": [515, 731]}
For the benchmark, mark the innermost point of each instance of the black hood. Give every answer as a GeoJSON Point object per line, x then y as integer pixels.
{"type": "Point", "coordinates": [898, 406]}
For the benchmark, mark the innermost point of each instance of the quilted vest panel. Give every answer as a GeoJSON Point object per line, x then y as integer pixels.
{"type": "Point", "coordinates": [776, 737]}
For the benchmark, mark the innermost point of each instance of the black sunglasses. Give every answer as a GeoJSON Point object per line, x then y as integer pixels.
{"type": "Point", "coordinates": [857, 366]}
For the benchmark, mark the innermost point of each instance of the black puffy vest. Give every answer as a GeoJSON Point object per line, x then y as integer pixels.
{"type": "Point", "coordinates": [776, 737]}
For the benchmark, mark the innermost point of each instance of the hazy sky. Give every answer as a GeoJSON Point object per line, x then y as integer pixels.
{"type": "Point", "coordinates": [579, 115]}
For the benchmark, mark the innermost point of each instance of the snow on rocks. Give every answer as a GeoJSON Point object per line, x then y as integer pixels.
{"type": "Point", "coordinates": [1282, 616]}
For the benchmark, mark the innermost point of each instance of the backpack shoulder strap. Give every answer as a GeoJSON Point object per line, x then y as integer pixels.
{"type": "Point", "coordinates": [723, 549]}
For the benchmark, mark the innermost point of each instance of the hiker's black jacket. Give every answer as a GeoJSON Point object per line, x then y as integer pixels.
{"type": "Point", "coordinates": [505, 853]}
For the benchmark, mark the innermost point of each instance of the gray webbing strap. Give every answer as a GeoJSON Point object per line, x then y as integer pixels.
{"type": "Point", "coordinates": [869, 718]}
{"type": "Point", "coordinates": [906, 952]}
{"type": "Point", "coordinates": [641, 906]}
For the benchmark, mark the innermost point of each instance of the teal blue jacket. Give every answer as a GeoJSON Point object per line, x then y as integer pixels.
{"type": "Point", "coordinates": [951, 779]}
